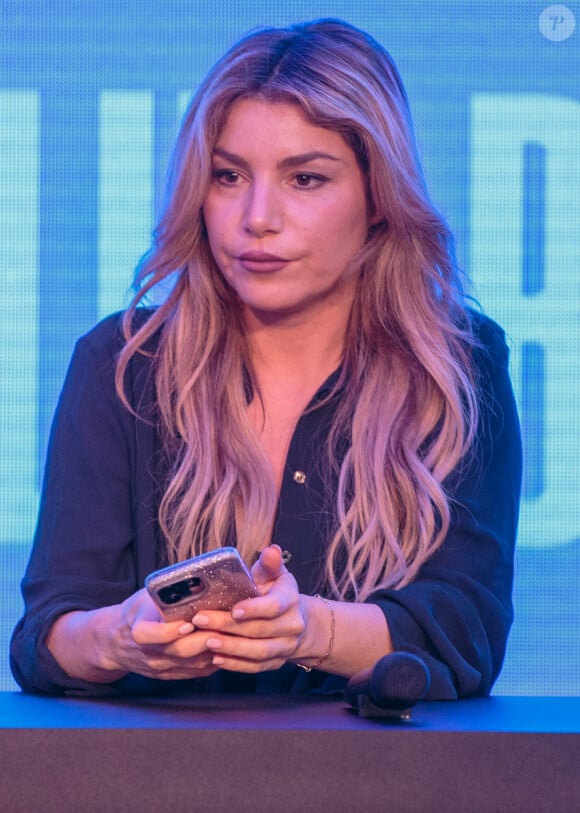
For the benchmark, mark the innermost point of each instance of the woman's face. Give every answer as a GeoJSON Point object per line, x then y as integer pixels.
{"type": "Point", "coordinates": [286, 211]}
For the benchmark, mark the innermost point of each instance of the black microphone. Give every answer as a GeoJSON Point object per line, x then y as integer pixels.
{"type": "Point", "coordinates": [390, 688]}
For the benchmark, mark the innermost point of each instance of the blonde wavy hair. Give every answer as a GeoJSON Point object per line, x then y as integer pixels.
{"type": "Point", "coordinates": [408, 402]}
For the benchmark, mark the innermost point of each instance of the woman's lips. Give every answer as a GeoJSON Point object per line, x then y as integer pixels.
{"type": "Point", "coordinates": [261, 262]}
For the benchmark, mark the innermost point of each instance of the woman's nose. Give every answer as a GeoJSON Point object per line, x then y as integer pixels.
{"type": "Point", "coordinates": [263, 210]}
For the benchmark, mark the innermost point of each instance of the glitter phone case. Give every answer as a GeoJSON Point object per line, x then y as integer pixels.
{"type": "Point", "coordinates": [213, 581]}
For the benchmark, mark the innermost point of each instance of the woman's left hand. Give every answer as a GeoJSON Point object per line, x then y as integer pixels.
{"type": "Point", "coordinates": [261, 633]}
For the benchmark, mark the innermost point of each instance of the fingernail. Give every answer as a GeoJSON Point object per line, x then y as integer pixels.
{"type": "Point", "coordinates": [217, 660]}
{"type": "Point", "coordinates": [239, 613]}
{"type": "Point", "coordinates": [200, 620]}
{"type": "Point", "coordinates": [213, 643]}
{"type": "Point", "coordinates": [185, 629]}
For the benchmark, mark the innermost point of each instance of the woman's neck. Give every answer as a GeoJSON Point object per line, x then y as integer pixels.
{"type": "Point", "coordinates": [297, 352]}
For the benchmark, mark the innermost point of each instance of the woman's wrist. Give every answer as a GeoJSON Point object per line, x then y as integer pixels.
{"type": "Point", "coordinates": [318, 642]}
{"type": "Point", "coordinates": [359, 634]}
{"type": "Point", "coordinates": [80, 642]}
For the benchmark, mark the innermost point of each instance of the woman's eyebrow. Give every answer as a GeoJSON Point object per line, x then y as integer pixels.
{"type": "Point", "coordinates": [285, 163]}
{"type": "Point", "coordinates": [231, 157]}
{"type": "Point", "coordinates": [304, 158]}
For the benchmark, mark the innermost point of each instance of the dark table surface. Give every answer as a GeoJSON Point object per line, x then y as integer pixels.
{"type": "Point", "coordinates": [246, 754]}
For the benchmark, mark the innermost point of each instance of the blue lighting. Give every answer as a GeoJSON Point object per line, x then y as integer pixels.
{"type": "Point", "coordinates": [90, 99]}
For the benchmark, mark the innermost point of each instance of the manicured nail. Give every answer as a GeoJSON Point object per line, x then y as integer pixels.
{"type": "Point", "coordinates": [213, 643]}
{"type": "Point", "coordinates": [238, 613]}
{"type": "Point", "coordinates": [185, 629]}
{"type": "Point", "coordinates": [200, 620]}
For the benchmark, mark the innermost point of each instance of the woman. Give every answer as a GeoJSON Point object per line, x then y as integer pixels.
{"type": "Point", "coordinates": [314, 390]}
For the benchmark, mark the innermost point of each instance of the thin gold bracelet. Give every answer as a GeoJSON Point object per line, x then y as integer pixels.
{"type": "Point", "coordinates": [330, 643]}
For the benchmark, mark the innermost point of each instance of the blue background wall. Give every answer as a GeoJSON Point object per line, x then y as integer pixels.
{"type": "Point", "coordinates": [90, 97]}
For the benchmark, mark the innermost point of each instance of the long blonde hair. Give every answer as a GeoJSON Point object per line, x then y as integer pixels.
{"type": "Point", "coordinates": [408, 404]}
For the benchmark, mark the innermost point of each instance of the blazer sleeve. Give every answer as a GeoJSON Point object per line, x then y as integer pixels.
{"type": "Point", "coordinates": [83, 556]}
{"type": "Point", "coordinates": [457, 613]}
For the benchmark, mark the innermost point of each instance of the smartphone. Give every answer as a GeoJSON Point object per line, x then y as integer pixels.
{"type": "Point", "coordinates": [213, 581]}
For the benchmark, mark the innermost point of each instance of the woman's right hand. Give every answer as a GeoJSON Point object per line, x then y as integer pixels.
{"type": "Point", "coordinates": [102, 646]}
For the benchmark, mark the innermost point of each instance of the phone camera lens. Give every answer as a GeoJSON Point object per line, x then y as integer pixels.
{"type": "Point", "coordinates": [174, 593]}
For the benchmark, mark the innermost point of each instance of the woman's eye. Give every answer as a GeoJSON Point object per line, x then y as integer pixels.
{"type": "Point", "coordinates": [228, 177]}
{"type": "Point", "coordinates": [306, 180]}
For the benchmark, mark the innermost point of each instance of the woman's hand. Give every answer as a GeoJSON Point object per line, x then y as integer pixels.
{"type": "Point", "coordinates": [283, 625]}
{"type": "Point", "coordinates": [260, 633]}
{"type": "Point", "coordinates": [103, 645]}
{"type": "Point", "coordinates": [144, 643]}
